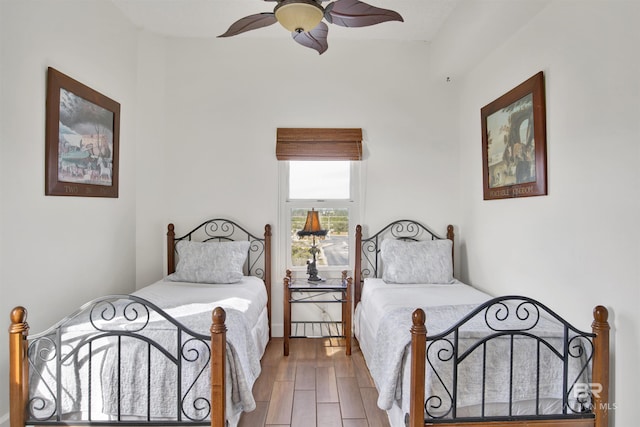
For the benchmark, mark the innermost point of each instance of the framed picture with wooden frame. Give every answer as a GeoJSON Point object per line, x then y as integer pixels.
{"type": "Point", "coordinates": [514, 142]}
{"type": "Point", "coordinates": [82, 139]}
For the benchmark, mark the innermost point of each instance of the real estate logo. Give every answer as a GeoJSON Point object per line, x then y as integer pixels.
{"type": "Point", "coordinates": [583, 391]}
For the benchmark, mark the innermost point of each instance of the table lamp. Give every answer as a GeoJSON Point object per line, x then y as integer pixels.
{"type": "Point", "coordinates": [312, 228]}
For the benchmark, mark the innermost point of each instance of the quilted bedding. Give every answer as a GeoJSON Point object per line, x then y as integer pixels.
{"type": "Point", "coordinates": [383, 323]}
{"type": "Point", "coordinates": [90, 386]}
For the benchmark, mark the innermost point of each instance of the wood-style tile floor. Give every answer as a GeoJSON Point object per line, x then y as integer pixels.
{"type": "Point", "coordinates": [317, 385]}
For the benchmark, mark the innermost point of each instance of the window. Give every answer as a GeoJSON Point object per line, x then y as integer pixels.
{"type": "Point", "coordinates": [327, 186]}
{"type": "Point", "coordinates": [319, 180]}
{"type": "Point", "coordinates": [318, 173]}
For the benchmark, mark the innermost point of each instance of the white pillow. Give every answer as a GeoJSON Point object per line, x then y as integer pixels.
{"type": "Point", "coordinates": [427, 261]}
{"type": "Point", "coordinates": [210, 262]}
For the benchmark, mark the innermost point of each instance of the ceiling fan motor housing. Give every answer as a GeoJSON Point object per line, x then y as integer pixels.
{"type": "Point", "coordinates": [299, 15]}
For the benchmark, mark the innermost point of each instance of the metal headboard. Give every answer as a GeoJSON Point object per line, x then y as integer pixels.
{"type": "Point", "coordinates": [368, 263]}
{"type": "Point", "coordinates": [224, 230]}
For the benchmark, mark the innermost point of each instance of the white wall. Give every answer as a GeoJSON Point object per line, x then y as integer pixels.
{"type": "Point", "coordinates": [153, 168]}
{"type": "Point", "coordinates": [198, 134]}
{"type": "Point", "coordinates": [198, 125]}
{"type": "Point", "coordinates": [578, 246]}
{"type": "Point", "coordinates": [225, 98]}
{"type": "Point", "coordinates": [59, 252]}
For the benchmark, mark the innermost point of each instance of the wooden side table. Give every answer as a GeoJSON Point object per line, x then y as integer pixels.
{"type": "Point", "coordinates": [330, 291]}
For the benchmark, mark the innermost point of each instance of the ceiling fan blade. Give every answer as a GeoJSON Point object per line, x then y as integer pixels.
{"type": "Point", "coordinates": [354, 13]}
{"type": "Point", "coordinates": [315, 39]}
{"type": "Point", "coordinates": [251, 22]}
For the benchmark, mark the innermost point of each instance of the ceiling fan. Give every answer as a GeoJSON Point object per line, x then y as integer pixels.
{"type": "Point", "coordinates": [304, 19]}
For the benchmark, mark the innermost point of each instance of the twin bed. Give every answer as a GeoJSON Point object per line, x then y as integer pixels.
{"type": "Point", "coordinates": [479, 361]}
{"type": "Point", "coordinates": [184, 350]}
{"type": "Point", "coordinates": [165, 355]}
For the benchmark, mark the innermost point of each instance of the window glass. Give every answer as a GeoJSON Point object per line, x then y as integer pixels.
{"type": "Point", "coordinates": [319, 180]}
{"type": "Point", "coordinates": [333, 248]}
{"type": "Point", "coordinates": [332, 189]}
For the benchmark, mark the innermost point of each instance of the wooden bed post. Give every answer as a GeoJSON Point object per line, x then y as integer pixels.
{"type": "Point", "coordinates": [450, 236]}
{"type": "Point", "coordinates": [600, 327]}
{"type": "Point", "coordinates": [418, 357]}
{"type": "Point", "coordinates": [18, 367]}
{"type": "Point", "coordinates": [346, 317]}
{"type": "Point", "coordinates": [171, 254]}
{"type": "Point", "coordinates": [357, 274]}
{"type": "Point", "coordinates": [267, 272]}
{"type": "Point", "coordinates": [286, 308]}
{"type": "Point", "coordinates": [218, 362]}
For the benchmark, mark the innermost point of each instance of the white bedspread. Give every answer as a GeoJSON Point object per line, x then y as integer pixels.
{"type": "Point", "coordinates": [247, 296]}
{"type": "Point", "coordinates": [390, 306]}
{"type": "Point", "coordinates": [243, 359]}
{"type": "Point", "coordinates": [191, 305]}
{"type": "Point", "coordinates": [387, 310]}
{"type": "Point", "coordinates": [379, 298]}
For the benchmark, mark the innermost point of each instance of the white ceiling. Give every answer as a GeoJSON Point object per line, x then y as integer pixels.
{"type": "Point", "coordinates": [462, 32]}
{"type": "Point", "coordinates": [210, 18]}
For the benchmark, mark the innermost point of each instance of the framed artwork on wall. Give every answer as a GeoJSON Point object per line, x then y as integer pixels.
{"type": "Point", "coordinates": [82, 139]}
{"type": "Point", "coordinates": [514, 142]}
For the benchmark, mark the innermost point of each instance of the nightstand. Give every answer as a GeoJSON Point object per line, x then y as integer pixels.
{"type": "Point", "coordinates": [328, 291]}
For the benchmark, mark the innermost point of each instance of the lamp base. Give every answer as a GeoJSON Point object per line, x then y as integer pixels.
{"type": "Point", "coordinates": [312, 271]}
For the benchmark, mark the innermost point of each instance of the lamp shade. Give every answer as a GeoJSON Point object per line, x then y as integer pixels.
{"type": "Point", "coordinates": [299, 15]}
{"type": "Point", "coordinates": [312, 226]}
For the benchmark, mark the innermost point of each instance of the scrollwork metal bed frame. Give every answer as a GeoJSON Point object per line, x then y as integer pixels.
{"type": "Point", "coordinates": [48, 347]}
{"type": "Point", "coordinates": [592, 347]}
{"type": "Point", "coordinates": [190, 347]}
{"type": "Point", "coordinates": [223, 230]}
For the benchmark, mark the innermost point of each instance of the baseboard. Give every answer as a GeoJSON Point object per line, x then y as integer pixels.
{"type": "Point", "coordinates": [277, 329]}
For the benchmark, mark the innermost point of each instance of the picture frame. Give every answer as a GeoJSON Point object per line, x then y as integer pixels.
{"type": "Point", "coordinates": [514, 142]}
{"type": "Point", "coordinates": [82, 139]}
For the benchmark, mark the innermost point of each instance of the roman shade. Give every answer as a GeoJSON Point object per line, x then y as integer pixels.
{"type": "Point", "coordinates": [319, 144]}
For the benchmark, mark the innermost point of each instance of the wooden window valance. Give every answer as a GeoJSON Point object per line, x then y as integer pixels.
{"type": "Point", "coordinates": [319, 144]}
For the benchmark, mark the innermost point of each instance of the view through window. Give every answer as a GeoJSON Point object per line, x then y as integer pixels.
{"type": "Point", "coordinates": [325, 186]}
{"type": "Point", "coordinates": [334, 247]}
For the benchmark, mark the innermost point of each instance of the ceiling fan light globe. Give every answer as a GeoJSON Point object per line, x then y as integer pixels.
{"type": "Point", "coordinates": [299, 15]}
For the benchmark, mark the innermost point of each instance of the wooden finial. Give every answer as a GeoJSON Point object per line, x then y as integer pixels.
{"type": "Point", "coordinates": [18, 320]}
{"type": "Point", "coordinates": [600, 314]}
{"type": "Point", "coordinates": [18, 315]}
{"type": "Point", "coordinates": [218, 317]}
{"type": "Point", "coordinates": [418, 317]}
